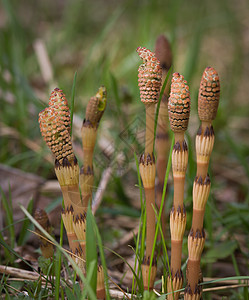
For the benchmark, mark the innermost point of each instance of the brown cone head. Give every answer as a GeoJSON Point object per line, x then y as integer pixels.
{"type": "Point", "coordinates": [179, 104]}
{"type": "Point", "coordinates": [96, 107]}
{"type": "Point", "coordinates": [163, 52]}
{"type": "Point", "coordinates": [209, 95]}
{"type": "Point", "coordinates": [41, 217]}
{"type": "Point", "coordinates": [149, 76]}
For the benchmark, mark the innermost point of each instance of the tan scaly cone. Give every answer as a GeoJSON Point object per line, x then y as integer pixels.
{"type": "Point", "coordinates": [149, 82]}
{"type": "Point", "coordinates": [208, 102]}
{"type": "Point", "coordinates": [55, 129]}
{"type": "Point", "coordinates": [162, 145]}
{"type": "Point", "coordinates": [41, 217]}
{"type": "Point", "coordinates": [179, 110]}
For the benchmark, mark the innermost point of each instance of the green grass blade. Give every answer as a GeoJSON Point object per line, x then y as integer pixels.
{"type": "Point", "coordinates": [58, 265]}
{"type": "Point", "coordinates": [7, 254]}
{"type": "Point", "coordinates": [91, 253]}
{"type": "Point", "coordinates": [102, 256]}
{"type": "Point", "coordinates": [126, 262]}
{"type": "Point", "coordinates": [142, 227]}
{"type": "Point", "coordinates": [161, 206]}
{"type": "Point", "coordinates": [7, 205]}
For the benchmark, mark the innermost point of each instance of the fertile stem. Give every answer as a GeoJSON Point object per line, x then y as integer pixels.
{"type": "Point", "coordinates": [207, 108]}
{"type": "Point", "coordinates": [55, 129]}
{"type": "Point", "coordinates": [149, 82]}
{"type": "Point", "coordinates": [179, 110]}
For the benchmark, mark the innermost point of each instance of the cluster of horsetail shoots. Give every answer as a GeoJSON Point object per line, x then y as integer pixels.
{"type": "Point", "coordinates": [162, 144]}
{"type": "Point", "coordinates": [179, 110]}
{"type": "Point", "coordinates": [149, 82]}
{"type": "Point", "coordinates": [46, 247]}
{"type": "Point", "coordinates": [55, 128]}
{"type": "Point", "coordinates": [208, 102]}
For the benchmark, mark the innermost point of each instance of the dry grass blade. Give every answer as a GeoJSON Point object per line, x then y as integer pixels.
{"type": "Point", "coordinates": [67, 251]}
{"type": "Point", "coordinates": [225, 287]}
{"type": "Point", "coordinates": [101, 189]}
{"type": "Point", "coordinates": [44, 61]}
{"type": "Point", "coordinates": [123, 292]}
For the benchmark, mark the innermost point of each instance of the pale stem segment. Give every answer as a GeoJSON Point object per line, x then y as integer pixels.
{"type": "Point", "coordinates": [149, 137]}
{"type": "Point", "coordinates": [150, 220]}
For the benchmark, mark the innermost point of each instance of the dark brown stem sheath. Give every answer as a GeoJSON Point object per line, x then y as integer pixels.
{"type": "Point", "coordinates": [150, 220]}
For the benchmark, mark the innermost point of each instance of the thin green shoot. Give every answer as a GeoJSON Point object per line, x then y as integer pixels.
{"type": "Point", "coordinates": [126, 262]}
{"type": "Point", "coordinates": [163, 240]}
{"type": "Point", "coordinates": [142, 222]}
{"type": "Point", "coordinates": [161, 207]}
{"type": "Point", "coordinates": [5, 245]}
{"type": "Point", "coordinates": [102, 256]}
{"type": "Point", "coordinates": [91, 252]}
{"type": "Point", "coordinates": [58, 265]}
{"type": "Point", "coordinates": [7, 205]}
{"type": "Point", "coordinates": [235, 265]}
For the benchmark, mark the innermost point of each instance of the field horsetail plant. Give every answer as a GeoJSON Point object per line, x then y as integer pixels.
{"type": "Point", "coordinates": [149, 82]}
{"type": "Point", "coordinates": [208, 102]}
{"type": "Point", "coordinates": [55, 128]}
{"type": "Point", "coordinates": [179, 110]}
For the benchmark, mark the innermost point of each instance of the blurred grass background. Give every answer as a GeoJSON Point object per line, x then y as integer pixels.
{"type": "Point", "coordinates": [98, 39]}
